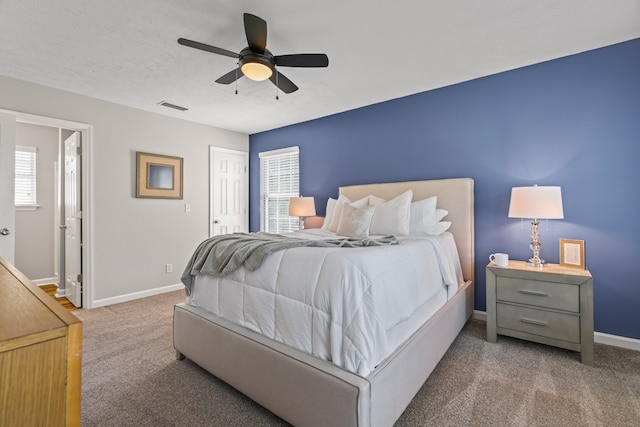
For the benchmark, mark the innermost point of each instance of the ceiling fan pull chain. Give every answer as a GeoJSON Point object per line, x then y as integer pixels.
{"type": "Point", "coordinates": [277, 98]}
{"type": "Point", "coordinates": [237, 78]}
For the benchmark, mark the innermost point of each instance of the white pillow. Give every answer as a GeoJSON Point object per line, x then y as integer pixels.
{"type": "Point", "coordinates": [355, 222]}
{"type": "Point", "coordinates": [423, 215]}
{"type": "Point", "coordinates": [440, 214]}
{"type": "Point", "coordinates": [337, 210]}
{"type": "Point", "coordinates": [438, 228]}
{"type": "Point", "coordinates": [335, 214]}
{"type": "Point", "coordinates": [392, 217]}
{"type": "Point", "coordinates": [331, 205]}
{"type": "Point", "coordinates": [375, 200]}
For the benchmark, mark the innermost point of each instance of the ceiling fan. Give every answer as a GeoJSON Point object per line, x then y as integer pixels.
{"type": "Point", "coordinates": [256, 62]}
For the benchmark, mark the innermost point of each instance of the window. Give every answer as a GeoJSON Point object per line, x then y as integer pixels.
{"type": "Point", "coordinates": [25, 177]}
{"type": "Point", "coordinates": [279, 181]}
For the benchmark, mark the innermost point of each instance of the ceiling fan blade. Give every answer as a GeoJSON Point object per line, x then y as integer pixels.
{"type": "Point", "coordinates": [256, 30]}
{"type": "Point", "coordinates": [303, 60]}
{"type": "Point", "coordinates": [208, 48]}
{"type": "Point", "coordinates": [283, 83]}
{"type": "Point", "coordinates": [231, 76]}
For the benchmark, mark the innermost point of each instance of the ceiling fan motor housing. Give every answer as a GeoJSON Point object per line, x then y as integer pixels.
{"type": "Point", "coordinates": [266, 59]}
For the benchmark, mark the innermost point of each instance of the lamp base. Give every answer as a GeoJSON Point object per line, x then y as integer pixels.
{"type": "Point", "coordinates": [536, 263]}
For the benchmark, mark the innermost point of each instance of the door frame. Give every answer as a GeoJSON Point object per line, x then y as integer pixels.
{"type": "Point", "coordinates": [7, 174]}
{"type": "Point", "coordinates": [86, 131]}
{"type": "Point", "coordinates": [213, 149]}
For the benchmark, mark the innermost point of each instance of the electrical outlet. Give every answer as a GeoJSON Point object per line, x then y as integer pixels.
{"type": "Point", "coordinates": [169, 268]}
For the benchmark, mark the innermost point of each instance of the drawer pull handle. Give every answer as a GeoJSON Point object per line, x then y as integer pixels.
{"type": "Point", "coordinates": [536, 293]}
{"type": "Point", "coordinates": [534, 321]}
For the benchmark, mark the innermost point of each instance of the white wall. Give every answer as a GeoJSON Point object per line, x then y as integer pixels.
{"type": "Point", "coordinates": [35, 228]}
{"type": "Point", "coordinates": [133, 238]}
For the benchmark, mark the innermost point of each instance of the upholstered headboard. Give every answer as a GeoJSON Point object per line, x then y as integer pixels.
{"type": "Point", "coordinates": [454, 195]}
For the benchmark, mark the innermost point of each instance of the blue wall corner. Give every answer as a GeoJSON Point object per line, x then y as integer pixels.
{"type": "Point", "coordinates": [572, 122]}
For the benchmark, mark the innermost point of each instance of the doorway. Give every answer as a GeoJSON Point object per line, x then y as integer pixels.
{"type": "Point", "coordinates": [73, 282]}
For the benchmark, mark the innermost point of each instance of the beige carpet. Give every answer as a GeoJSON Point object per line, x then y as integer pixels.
{"type": "Point", "coordinates": [131, 378]}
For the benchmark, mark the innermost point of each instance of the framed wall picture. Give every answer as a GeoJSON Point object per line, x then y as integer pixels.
{"type": "Point", "coordinates": [158, 176]}
{"type": "Point", "coordinates": [572, 253]}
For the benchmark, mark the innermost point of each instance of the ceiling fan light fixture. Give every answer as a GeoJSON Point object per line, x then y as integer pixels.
{"type": "Point", "coordinates": [256, 71]}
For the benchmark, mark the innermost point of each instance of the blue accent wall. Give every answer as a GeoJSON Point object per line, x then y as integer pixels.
{"type": "Point", "coordinates": [572, 122]}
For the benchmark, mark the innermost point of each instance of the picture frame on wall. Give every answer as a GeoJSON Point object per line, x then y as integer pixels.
{"type": "Point", "coordinates": [572, 253]}
{"type": "Point", "coordinates": [158, 176]}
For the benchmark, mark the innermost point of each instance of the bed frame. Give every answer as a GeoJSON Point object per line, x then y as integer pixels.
{"type": "Point", "coordinates": [307, 391]}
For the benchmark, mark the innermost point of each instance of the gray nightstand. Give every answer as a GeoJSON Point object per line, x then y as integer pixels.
{"type": "Point", "coordinates": [551, 306]}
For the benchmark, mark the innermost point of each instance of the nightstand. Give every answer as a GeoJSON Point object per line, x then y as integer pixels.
{"type": "Point", "coordinates": [552, 306]}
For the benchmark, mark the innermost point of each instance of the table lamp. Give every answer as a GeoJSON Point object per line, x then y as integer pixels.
{"type": "Point", "coordinates": [302, 207]}
{"type": "Point", "coordinates": [536, 202]}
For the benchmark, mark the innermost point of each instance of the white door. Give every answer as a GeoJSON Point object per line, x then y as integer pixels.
{"type": "Point", "coordinates": [7, 186]}
{"type": "Point", "coordinates": [72, 220]}
{"type": "Point", "coordinates": [229, 193]}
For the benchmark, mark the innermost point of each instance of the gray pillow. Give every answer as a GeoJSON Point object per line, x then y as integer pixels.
{"type": "Point", "coordinates": [355, 222]}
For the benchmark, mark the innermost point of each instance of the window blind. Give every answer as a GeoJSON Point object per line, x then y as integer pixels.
{"type": "Point", "coordinates": [279, 181]}
{"type": "Point", "coordinates": [25, 176]}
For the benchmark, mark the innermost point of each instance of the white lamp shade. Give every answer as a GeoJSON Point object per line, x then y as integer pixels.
{"type": "Point", "coordinates": [302, 206]}
{"type": "Point", "coordinates": [536, 202]}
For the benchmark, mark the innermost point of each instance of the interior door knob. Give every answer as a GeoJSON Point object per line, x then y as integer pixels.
{"type": "Point", "coordinates": [5, 231]}
{"type": "Point", "coordinates": [215, 221]}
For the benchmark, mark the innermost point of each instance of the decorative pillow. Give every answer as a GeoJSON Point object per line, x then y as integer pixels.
{"type": "Point", "coordinates": [393, 216]}
{"type": "Point", "coordinates": [331, 205]}
{"type": "Point", "coordinates": [355, 222]}
{"type": "Point", "coordinates": [438, 228]}
{"type": "Point", "coordinates": [337, 210]}
{"type": "Point", "coordinates": [423, 215]}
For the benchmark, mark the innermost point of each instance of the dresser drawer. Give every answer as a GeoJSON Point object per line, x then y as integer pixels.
{"type": "Point", "coordinates": [539, 322]}
{"type": "Point", "coordinates": [539, 293]}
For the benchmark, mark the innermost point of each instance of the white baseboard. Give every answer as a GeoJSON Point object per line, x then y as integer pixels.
{"type": "Point", "coordinates": [46, 281]}
{"type": "Point", "coordinates": [62, 293]}
{"type": "Point", "coordinates": [480, 315]}
{"type": "Point", "coordinates": [599, 337]}
{"type": "Point", "coordinates": [135, 295]}
{"type": "Point", "coordinates": [617, 341]}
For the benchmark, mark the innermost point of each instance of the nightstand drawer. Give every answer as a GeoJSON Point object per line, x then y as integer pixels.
{"type": "Point", "coordinates": [539, 322]}
{"type": "Point", "coordinates": [539, 293]}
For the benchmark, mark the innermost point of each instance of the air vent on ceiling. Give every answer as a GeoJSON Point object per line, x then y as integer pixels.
{"type": "Point", "coordinates": [169, 105]}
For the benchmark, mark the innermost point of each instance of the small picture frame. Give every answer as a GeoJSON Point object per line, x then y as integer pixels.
{"type": "Point", "coordinates": [158, 176]}
{"type": "Point", "coordinates": [572, 253]}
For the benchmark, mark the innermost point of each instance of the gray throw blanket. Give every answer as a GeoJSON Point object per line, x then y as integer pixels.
{"type": "Point", "coordinates": [223, 254]}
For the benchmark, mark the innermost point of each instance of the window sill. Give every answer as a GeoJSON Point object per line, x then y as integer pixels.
{"type": "Point", "coordinates": [27, 208]}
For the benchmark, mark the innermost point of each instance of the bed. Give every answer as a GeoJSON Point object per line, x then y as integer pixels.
{"type": "Point", "coordinates": [306, 390]}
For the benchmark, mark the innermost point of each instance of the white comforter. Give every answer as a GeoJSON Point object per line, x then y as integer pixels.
{"type": "Point", "coordinates": [350, 306]}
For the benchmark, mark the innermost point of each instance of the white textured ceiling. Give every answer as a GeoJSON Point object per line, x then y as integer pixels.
{"type": "Point", "coordinates": [125, 51]}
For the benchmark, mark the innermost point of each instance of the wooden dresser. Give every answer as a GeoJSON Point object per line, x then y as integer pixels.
{"type": "Point", "coordinates": [40, 355]}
